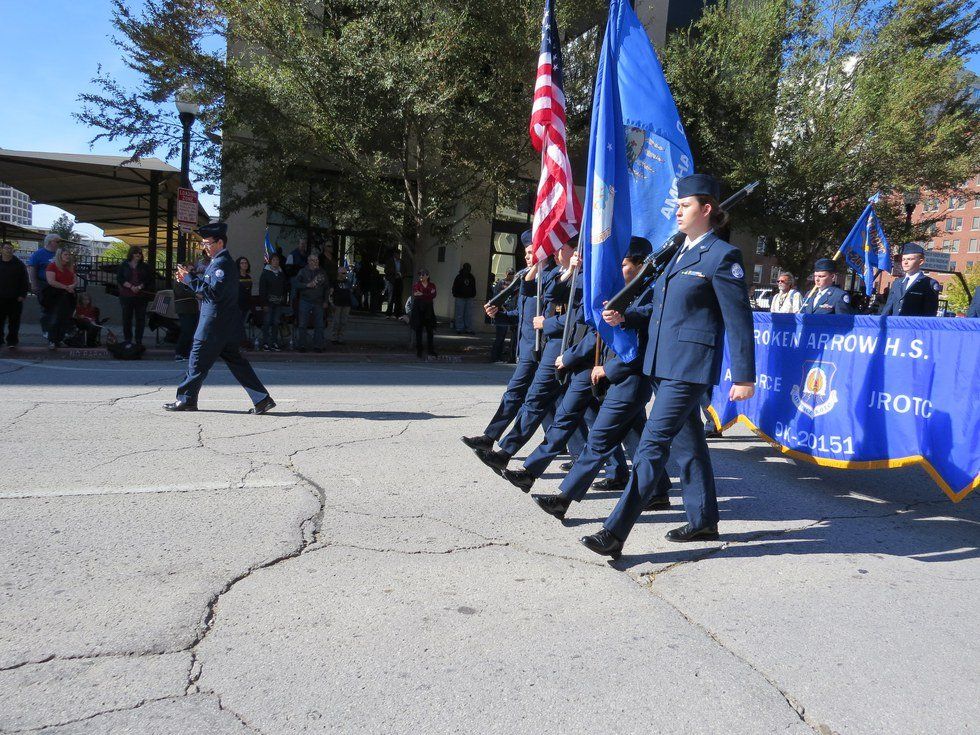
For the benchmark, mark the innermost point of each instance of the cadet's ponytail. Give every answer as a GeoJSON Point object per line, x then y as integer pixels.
{"type": "Point", "coordinates": [719, 217]}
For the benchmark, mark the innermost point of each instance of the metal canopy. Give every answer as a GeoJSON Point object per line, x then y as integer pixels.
{"type": "Point", "coordinates": [10, 231]}
{"type": "Point", "coordinates": [109, 192]}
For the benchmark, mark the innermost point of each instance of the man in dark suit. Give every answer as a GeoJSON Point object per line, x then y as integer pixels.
{"type": "Point", "coordinates": [974, 310]}
{"type": "Point", "coordinates": [916, 294]}
{"type": "Point", "coordinates": [826, 297]}
{"type": "Point", "coordinates": [700, 298]}
{"type": "Point", "coordinates": [218, 327]}
{"type": "Point", "coordinates": [522, 316]}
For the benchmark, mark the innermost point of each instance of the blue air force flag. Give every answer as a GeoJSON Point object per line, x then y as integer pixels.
{"type": "Point", "coordinates": [865, 249]}
{"type": "Point", "coordinates": [637, 151]}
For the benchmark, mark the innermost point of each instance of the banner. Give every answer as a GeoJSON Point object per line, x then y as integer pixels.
{"type": "Point", "coordinates": [865, 249]}
{"type": "Point", "coordinates": [865, 392]}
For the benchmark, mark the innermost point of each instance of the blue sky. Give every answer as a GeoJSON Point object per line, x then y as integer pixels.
{"type": "Point", "coordinates": [49, 52]}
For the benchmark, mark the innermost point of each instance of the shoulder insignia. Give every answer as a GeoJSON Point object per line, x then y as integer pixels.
{"type": "Point", "coordinates": [936, 287]}
{"type": "Point", "coordinates": [737, 271]}
{"type": "Point", "coordinates": [219, 273]}
{"type": "Point", "coordinates": [846, 299]}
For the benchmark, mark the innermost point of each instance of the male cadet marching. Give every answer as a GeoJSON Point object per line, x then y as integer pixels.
{"type": "Point", "coordinates": [699, 299]}
{"type": "Point", "coordinates": [219, 327]}
{"type": "Point", "coordinates": [825, 297]}
{"type": "Point", "coordinates": [523, 317]}
{"type": "Point", "coordinates": [917, 294]}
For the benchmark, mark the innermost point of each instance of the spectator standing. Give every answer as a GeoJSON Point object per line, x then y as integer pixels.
{"type": "Point", "coordinates": [788, 300]}
{"type": "Point", "coordinates": [60, 295]}
{"type": "Point", "coordinates": [86, 318]}
{"type": "Point", "coordinates": [342, 297]}
{"type": "Point", "coordinates": [502, 328]}
{"type": "Point", "coordinates": [273, 292]}
{"type": "Point", "coordinates": [464, 291]}
{"type": "Point", "coordinates": [244, 295]}
{"type": "Point", "coordinates": [37, 268]}
{"type": "Point", "coordinates": [311, 285]}
{"type": "Point", "coordinates": [14, 286]}
{"type": "Point", "coordinates": [297, 259]}
{"type": "Point", "coordinates": [394, 274]}
{"type": "Point", "coordinates": [187, 308]}
{"type": "Point", "coordinates": [135, 279]}
{"type": "Point", "coordinates": [423, 314]}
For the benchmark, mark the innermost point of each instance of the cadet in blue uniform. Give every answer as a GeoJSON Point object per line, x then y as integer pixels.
{"type": "Point", "coordinates": [825, 297]}
{"type": "Point", "coordinates": [523, 316]}
{"type": "Point", "coordinates": [917, 294]}
{"type": "Point", "coordinates": [545, 388]}
{"type": "Point", "coordinates": [623, 410]}
{"type": "Point", "coordinates": [219, 327]}
{"type": "Point", "coordinates": [700, 298]}
{"type": "Point", "coordinates": [974, 310]}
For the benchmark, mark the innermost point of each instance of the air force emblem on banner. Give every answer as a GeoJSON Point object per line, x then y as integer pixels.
{"type": "Point", "coordinates": [643, 152]}
{"type": "Point", "coordinates": [603, 197]}
{"type": "Point", "coordinates": [816, 397]}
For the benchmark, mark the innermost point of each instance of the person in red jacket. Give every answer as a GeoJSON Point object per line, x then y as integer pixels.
{"type": "Point", "coordinates": [423, 312]}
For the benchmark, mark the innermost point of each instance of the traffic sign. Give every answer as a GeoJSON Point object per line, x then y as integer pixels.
{"type": "Point", "coordinates": [186, 209]}
{"type": "Point", "coordinates": [936, 260]}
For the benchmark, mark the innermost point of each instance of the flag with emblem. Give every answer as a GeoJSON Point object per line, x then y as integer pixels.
{"type": "Point", "coordinates": [865, 249]}
{"type": "Point", "coordinates": [637, 151]}
{"type": "Point", "coordinates": [557, 210]}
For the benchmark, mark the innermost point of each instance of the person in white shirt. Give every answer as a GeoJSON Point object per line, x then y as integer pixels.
{"type": "Point", "coordinates": [788, 300]}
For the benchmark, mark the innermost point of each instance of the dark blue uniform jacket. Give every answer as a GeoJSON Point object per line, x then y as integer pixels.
{"type": "Point", "coordinates": [218, 287]}
{"type": "Point", "coordinates": [833, 301]}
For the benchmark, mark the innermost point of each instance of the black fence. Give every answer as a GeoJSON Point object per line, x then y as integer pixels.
{"type": "Point", "coordinates": [93, 270]}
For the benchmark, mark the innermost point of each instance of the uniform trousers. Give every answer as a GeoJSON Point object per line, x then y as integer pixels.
{"type": "Point", "coordinates": [542, 396]}
{"type": "Point", "coordinates": [675, 427]}
{"type": "Point", "coordinates": [622, 413]}
{"type": "Point", "coordinates": [513, 398]}
{"type": "Point", "coordinates": [204, 353]}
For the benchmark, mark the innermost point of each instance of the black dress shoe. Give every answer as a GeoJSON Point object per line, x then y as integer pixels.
{"type": "Point", "coordinates": [263, 406]}
{"type": "Point", "coordinates": [687, 532]}
{"type": "Point", "coordinates": [607, 484]}
{"type": "Point", "coordinates": [496, 461]}
{"type": "Point", "coordinates": [518, 478]}
{"type": "Point", "coordinates": [478, 442]}
{"type": "Point", "coordinates": [604, 544]}
{"type": "Point", "coordinates": [566, 466]}
{"type": "Point", "coordinates": [180, 406]}
{"type": "Point", "coordinates": [658, 503]}
{"type": "Point", "coordinates": [555, 505]}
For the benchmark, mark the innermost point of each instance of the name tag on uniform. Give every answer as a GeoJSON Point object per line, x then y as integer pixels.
{"type": "Point", "coordinates": [696, 274]}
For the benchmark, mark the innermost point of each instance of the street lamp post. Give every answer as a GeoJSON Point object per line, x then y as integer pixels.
{"type": "Point", "coordinates": [911, 198]}
{"type": "Point", "coordinates": [187, 111]}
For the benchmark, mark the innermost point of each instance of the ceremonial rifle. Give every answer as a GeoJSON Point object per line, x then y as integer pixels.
{"type": "Point", "coordinates": [655, 263]}
{"type": "Point", "coordinates": [505, 293]}
{"type": "Point", "coordinates": [566, 335]}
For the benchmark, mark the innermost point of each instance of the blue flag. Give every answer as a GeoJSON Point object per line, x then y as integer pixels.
{"type": "Point", "coordinates": [637, 151]}
{"type": "Point", "coordinates": [269, 250]}
{"type": "Point", "coordinates": [866, 249]}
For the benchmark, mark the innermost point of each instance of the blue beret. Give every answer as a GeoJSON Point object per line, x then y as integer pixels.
{"type": "Point", "coordinates": [825, 264]}
{"type": "Point", "coordinates": [640, 247]}
{"type": "Point", "coordinates": [218, 230]}
{"type": "Point", "coordinates": [526, 238]}
{"type": "Point", "coordinates": [913, 248]}
{"type": "Point", "coordinates": [698, 185]}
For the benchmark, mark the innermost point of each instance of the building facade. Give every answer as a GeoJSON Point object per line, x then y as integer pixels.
{"type": "Point", "coordinates": [15, 206]}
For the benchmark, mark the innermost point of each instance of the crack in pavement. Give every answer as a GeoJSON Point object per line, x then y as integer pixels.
{"type": "Point", "coordinates": [55, 658]}
{"type": "Point", "coordinates": [130, 708]}
{"type": "Point", "coordinates": [404, 552]}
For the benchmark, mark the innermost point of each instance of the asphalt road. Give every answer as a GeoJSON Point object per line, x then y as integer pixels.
{"type": "Point", "coordinates": [345, 564]}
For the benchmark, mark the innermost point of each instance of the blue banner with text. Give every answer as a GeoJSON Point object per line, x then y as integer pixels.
{"type": "Point", "coordinates": [865, 392]}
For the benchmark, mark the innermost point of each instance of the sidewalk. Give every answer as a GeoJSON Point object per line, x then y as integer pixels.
{"type": "Point", "coordinates": [373, 338]}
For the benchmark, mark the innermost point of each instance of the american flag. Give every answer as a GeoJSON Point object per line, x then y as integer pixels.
{"type": "Point", "coordinates": [557, 211]}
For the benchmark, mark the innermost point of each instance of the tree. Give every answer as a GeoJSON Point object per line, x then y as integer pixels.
{"type": "Point", "coordinates": [956, 297]}
{"type": "Point", "coordinates": [398, 117]}
{"type": "Point", "coordinates": [827, 102]}
{"type": "Point", "coordinates": [64, 227]}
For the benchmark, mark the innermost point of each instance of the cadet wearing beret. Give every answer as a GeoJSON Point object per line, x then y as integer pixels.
{"type": "Point", "coordinates": [218, 329]}
{"type": "Point", "coordinates": [826, 298]}
{"type": "Point", "coordinates": [698, 301]}
{"type": "Point", "coordinates": [917, 294]}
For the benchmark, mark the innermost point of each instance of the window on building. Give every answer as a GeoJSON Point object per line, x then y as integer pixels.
{"type": "Point", "coordinates": [957, 202]}
{"type": "Point", "coordinates": [774, 274]}
{"type": "Point", "coordinates": [757, 274]}
{"type": "Point", "coordinates": [956, 246]}
{"type": "Point", "coordinates": [945, 245]}
{"type": "Point", "coordinates": [976, 224]}
{"type": "Point", "coordinates": [760, 245]}
{"type": "Point", "coordinates": [949, 225]}
{"type": "Point", "coordinates": [959, 224]}
{"type": "Point", "coordinates": [976, 201]}
{"type": "Point", "coordinates": [974, 245]}
{"type": "Point", "coordinates": [931, 229]}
